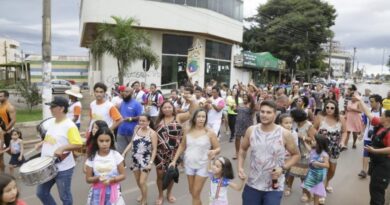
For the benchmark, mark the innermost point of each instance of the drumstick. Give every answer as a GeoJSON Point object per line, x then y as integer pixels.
{"type": "Point", "coordinates": [29, 152]}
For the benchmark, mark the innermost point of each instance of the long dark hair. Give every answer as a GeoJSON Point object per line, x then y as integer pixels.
{"type": "Point", "coordinates": [227, 168]}
{"type": "Point", "coordinates": [193, 118]}
{"type": "Point", "coordinates": [99, 124]}
{"type": "Point", "coordinates": [250, 101]}
{"type": "Point", "coordinates": [161, 114]}
{"type": "Point", "coordinates": [322, 143]}
{"type": "Point", "coordinates": [336, 109]}
{"type": "Point", "coordinates": [95, 146]}
{"type": "Point", "coordinates": [5, 179]}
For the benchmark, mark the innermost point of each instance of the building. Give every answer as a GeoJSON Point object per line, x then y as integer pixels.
{"type": "Point", "coordinates": [340, 60]}
{"type": "Point", "coordinates": [63, 67]}
{"type": "Point", "coordinates": [9, 51]}
{"type": "Point", "coordinates": [12, 69]}
{"type": "Point", "coordinates": [198, 37]}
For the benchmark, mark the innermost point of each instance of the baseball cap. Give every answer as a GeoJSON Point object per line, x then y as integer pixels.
{"type": "Point", "coordinates": [58, 101]}
{"type": "Point", "coordinates": [122, 88]}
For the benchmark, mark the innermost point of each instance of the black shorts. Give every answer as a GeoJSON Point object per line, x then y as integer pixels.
{"type": "Point", "coordinates": [15, 161]}
{"type": "Point", "coordinates": [7, 139]}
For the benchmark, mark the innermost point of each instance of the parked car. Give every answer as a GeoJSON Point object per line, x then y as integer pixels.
{"type": "Point", "coordinates": [59, 86]}
{"type": "Point", "coordinates": [84, 86]}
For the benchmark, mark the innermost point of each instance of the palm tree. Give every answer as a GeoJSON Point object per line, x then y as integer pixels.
{"type": "Point", "coordinates": [125, 43]}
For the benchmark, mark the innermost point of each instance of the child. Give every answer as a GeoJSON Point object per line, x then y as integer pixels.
{"type": "Point", "coordinates": [91, 135]}
{"type": "Point", "coordinates": [16, 149]}
{"type": "Point", "coordinates": [104, 170]}
{"type": "Point", "coordinates": [9, 191]}
{"type": "Point", "coordinates": [144, 147]}
{"type": "Point", "coordinates": [221, 174]}
{"type": "Point", "coordinates": [318, 165]}
{"type": "Point", "coordinates": [286, 121]}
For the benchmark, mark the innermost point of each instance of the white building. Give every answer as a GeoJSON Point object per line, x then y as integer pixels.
{"type": "Point", "coordinates": [340, 64]}
{"type": "Point", "coordinates": [214, 27]}
{"type": "Point", "coordinates": [9, 51]}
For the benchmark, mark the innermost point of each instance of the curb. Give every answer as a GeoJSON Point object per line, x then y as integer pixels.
{"type": "Point", "coordinates": [28, 124]}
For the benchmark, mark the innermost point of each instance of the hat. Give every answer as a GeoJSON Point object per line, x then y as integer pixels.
{"type": "Point", "coordinates": [59, 101]}
{"type": "Point", "coordinates": [74, 91]}
{"type": "Point", "coordinates": [121, 88]}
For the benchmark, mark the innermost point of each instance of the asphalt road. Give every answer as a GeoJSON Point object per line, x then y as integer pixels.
{"type": "Point", "coordinates": [348, 188]}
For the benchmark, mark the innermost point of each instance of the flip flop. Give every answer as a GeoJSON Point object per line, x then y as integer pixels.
{"type": "Point", "coordinates": [329, 189]}
{"type": "Point", "coordinates": [171, 199]}
{"type": "Point", "coordinates": [139, 199]}
{"type": "Point", "coordinates": [159, 201]}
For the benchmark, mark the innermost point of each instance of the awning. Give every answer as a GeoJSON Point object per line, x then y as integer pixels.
{"type": "Point", "coordinates": [264, 60]}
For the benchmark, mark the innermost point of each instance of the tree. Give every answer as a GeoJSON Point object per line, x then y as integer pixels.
{"type": "Point", "coordinates": [30, 94]}
{"type": "Point", "coordinates": [125, 43]}
{"type": "Point", "coordinates": [291, 28]}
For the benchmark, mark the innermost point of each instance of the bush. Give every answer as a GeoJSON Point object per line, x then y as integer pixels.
{"type": "Point", "coordinates": [29, 93]}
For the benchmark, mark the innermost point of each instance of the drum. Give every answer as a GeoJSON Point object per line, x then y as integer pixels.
{"type": "Point", "coordinates": [38, 171]}
{"type": "Point", "coordinates": [42, 128]}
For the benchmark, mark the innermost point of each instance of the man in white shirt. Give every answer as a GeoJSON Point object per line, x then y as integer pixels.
{"type": "Point", "coordinates": [62, 137]}
{"type": "Point", "coordinates": [215, 106]}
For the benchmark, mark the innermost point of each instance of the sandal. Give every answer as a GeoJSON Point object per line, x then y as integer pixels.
{"type": "Point", "coordinates": [234, 157]}
{"type": "Point", "coordinates": [159, 201]}
{"type": "Point", "coordinates": [304, 198]}
{"type": "Point", "coordinates": [287, 192]}
{"type": "Point", "coordinates": [321, 200]}
{"type": "Point", "coordinates": [171, 199]}
{"type": "Point", "coordinates": [329, 189]}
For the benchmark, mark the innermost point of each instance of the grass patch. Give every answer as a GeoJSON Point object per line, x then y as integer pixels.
{"type": "Point", "coordinates": [27, 116]}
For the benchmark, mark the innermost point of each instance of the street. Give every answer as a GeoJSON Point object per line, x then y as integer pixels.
{"type": "Point", "coordinates": [348, 188]}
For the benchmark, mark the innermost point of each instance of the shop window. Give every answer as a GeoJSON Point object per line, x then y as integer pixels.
{"type": "Point", "coordinates": [175, 44]}
{"type": "Point", "coordinates": [217, 70]}
{"type": "Point", "coordinates": [218, 50]}
{"type": "Point", "coordinates": [173, 69]}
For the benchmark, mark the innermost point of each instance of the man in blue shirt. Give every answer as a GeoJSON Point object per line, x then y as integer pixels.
{"type": "Point", "coordinates": [130, 110]}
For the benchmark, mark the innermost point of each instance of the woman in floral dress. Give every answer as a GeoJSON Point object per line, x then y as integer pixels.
{"type": "Point", "coordinates": [169, 130]}
{"type": "Point", "coordinates": [144, 149]}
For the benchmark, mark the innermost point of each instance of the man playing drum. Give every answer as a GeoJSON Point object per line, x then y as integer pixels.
{"type": "Point", "coordinates": [62, 137]}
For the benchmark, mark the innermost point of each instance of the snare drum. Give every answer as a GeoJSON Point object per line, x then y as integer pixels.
{"type": "Point", "coordinates": [38, 171]}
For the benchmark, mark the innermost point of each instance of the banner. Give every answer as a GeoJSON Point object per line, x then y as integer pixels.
{"type": "Point", "coordinates": [194, 60]}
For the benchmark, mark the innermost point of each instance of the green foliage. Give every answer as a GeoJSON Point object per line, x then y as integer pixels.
{"type": "Point", "coordinates": [125, 43]}
{"type": "Point", "coordinates": [291, 28]}
{"type": "Point", "coordinates": [29, 93]}
{"type": "Point", "coordinates": [28, 115]}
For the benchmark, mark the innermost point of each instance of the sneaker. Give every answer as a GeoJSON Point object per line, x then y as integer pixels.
{"type": "Point", "coordinates": [362, 174]}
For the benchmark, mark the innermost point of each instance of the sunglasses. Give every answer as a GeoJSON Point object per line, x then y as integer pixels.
{"type": "Point", "coordinates": [330, 108]}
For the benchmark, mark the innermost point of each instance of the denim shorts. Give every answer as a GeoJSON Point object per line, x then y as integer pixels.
{"type": "Point", "coordinates": [365, 153]}
{"type": "Point", "coordinates": [251, 196]}
{"type": "Point", "coordinates": [198, 172]}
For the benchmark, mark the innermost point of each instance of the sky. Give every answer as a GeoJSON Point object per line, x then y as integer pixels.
{"type": "Point", "coordinates": [360, 23]}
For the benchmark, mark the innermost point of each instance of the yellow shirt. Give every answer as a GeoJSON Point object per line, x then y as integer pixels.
{"type": "Point", "coordinates": [386, 104]}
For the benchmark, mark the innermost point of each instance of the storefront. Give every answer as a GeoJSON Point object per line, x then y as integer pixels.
{"type": "Point", "coordinates": [264, 66]}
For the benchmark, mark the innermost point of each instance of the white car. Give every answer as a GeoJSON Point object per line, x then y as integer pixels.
{"type": "Point", "coordinates": [59, 86]}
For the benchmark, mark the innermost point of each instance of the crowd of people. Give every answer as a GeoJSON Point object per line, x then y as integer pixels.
{"type": "Point", "coordinates": [294, 131]}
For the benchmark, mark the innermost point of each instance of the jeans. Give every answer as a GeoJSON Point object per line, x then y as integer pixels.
{"type": "Point", "coordinates": [251, 196]}
{"type": "Point", "coordinates": [121, 142]}
{"type": "Point", "coordinates": [63, 181]}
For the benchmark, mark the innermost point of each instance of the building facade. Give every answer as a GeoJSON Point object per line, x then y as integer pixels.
{"type": "Point", "coordinates": [63, 67]}
{"type": "Point", "coordinates": [178, 28]}
{"type": "Point", "coordinates": [9, 51]}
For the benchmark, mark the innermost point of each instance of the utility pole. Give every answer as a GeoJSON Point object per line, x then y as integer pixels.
{"type": "Point", "coordinates": [353, 60]}
{"type": "Point", "coordinates": [5, 52]}
{"type": "Point", "coordinates": [383, 60]}
{"type": "Point", "coordinates": [330, 58]}
{"type": "Point", "coordinates": [46, 58]}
